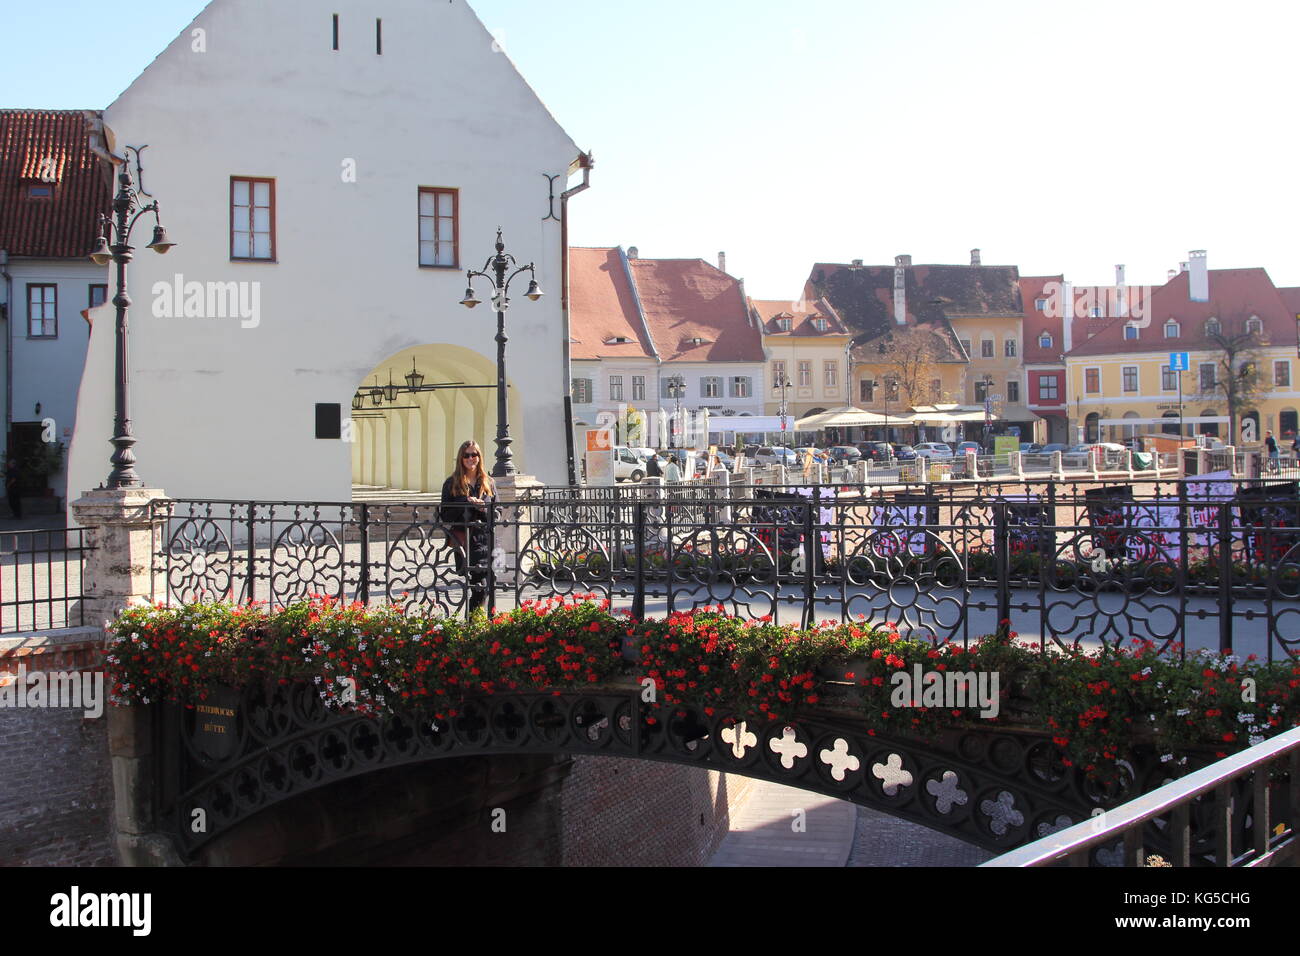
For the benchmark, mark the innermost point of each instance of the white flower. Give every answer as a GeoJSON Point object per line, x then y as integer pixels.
{"type": "Point", "coordinates": [1255, 739]}
{"type": "Point", "coordinates": [1147, 670]}
{"type": "Point", "coordinates": [1246, 718]}
{"type": "Point", "coordinates": [1182, 712]}
{"type": "Point", "coordinates": [1165, 758]}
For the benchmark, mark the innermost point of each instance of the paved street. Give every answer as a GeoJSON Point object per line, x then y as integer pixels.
{"type": "Point", "coordinates": [835, 834]}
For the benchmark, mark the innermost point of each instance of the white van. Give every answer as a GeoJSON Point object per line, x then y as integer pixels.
{"type": "Point", "coordinates": [629, 464]}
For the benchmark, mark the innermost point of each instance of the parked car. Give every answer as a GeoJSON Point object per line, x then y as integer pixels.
{"type": "Point", "coordinates": [776, 455]}
{"type": "Point", "coordinates": [628, 464]}
{"type": "Point", "coordinates": [905, 453]}
{"type": "Point", "coordinates": [974, 446]}
{"type": "Point", "coordinates": [845, 454]}
{"type": "Point", "coordinates": [1054, 447]}
{"type": "Point", "coordinates": [876, 450]}
{"type": "Point", "coordinates": [933, 450]}
{"type": "Point", "coordinates": [1030, 448]}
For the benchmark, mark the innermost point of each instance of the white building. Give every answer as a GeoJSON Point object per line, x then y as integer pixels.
{"type": "Point", "coordinates": [342, 166]}
{"type": "Point", "coordinates": [52, 190]}
{"type": "Point", "coordinates": [641, 324]}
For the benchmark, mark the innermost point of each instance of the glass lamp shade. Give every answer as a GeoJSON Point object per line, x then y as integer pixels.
{"type": "Point", "coordinates": [160, 242]}
{"type": "Point", "coordinates": [102, 255]}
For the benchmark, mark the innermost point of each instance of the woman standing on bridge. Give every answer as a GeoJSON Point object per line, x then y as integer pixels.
{"type": "Point", "coordinates": [466, 497]}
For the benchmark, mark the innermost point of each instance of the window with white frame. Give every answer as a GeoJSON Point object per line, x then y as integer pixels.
{"type": "Point", "coordinates": [1130, 378]}
{"type": "Point", "coordinates": [741, 386]}
{"type": "Point", "coordinates": [1172, 329]}
{"type": "Point", "coordinates": [1209, 376]}
{"type": "Point", "coordinates": [1212, 326]}
{"type": "Point", "coordinates": [1049, 388]}
{"type": "Point", "coordinates": [711, 386]}
{"type": "Point", "coordinates": [1040, 305]}
{"type": "Point", "coordinates": [1130, 332]}
{"type": "Point", "coordinates": [638, 388]}
{"type": "Point", "coordinates": [616, 388]}
{"type": "Point", "coordinates": [1009, 348]}
{"type": "Point", "coordinates": [1168, 379]}
{"type": "Point", "coordinates": [582, 391]}
{"type": "Point", "coordinates": [252, 218]}
{"type": "Point", "coordinates": [438, 227]}
{"type": "Point", "coordinates": [966, 345]}
{"type": "Point", "coordinates": [778, 374]}
{"type": "Point", "coordinates": [1092, 381]}
{"type": "Point", "coordinates": [986, 348]}
{"type": "Point", "coordinates": [1254, 325]}
{"type": "Point", "coordinates": [1013, 392]}
{"type": "Point", "coordinates": [1282, 372]}
{"type": "Point", "coordinates": [805, 374]}
{"type": "Point", "coordinates": [1045, 340]}
{"type": "Point", "coordinates": [831, 375]}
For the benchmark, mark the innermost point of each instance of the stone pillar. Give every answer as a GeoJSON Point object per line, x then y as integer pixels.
{"type": "Point", "coordinates": [1015, 465]}
{"type": "Point", "coordinates": [1058, 465]}
{"type": "Point", "coordinates": [972, 464]}
{"type": "Point", "coordinates": [515, 526]}
{"type": "Point", "coordinates": [123, 537]}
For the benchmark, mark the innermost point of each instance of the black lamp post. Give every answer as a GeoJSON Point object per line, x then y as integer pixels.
{"type": "Point", "coordinates": [500, 264]}
{"type": "Point", "coordinates": [988, 412]}
{"type": "Point", "coordinates": [676, 389]}
{"type": "Point", "coordinates": [127, 210]}
{"type": "Point", "coordinates": [782, 388]}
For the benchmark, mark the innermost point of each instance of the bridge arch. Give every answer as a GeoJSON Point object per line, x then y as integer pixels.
{"type": "Point", "coordinates": [992, 788]}
{"type": "Point", "coordinates": [405, 439]}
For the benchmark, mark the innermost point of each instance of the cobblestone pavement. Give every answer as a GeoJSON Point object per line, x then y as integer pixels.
{"type": "Point", "coordinates": [882, 840]}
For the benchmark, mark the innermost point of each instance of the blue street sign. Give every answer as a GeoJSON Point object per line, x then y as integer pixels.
{"type": "Point", "coordinates": [1179, 362]}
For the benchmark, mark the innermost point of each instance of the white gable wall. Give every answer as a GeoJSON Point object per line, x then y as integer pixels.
{"type": "Point", "coordinates": [222, 411]}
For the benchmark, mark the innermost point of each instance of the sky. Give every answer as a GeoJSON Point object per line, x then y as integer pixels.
{"type": "Point", "coordinates": [1061, 138]}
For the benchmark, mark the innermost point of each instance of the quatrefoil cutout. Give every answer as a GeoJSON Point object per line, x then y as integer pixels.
{"type": "Point", "coordinates": [892, 775]}
{"type": "Point", "coordinates": [740, 739]}
{"type": "Point", "coordinates": [1002, 813]}
{"type": "Point", "coordinates": [789, 747]}
{"type": "Point", "coordinates": [839, 759]}
{"type": "Point", "coordinates": [947, 792]}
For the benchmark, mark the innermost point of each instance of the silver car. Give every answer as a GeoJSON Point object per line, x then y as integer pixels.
{"type": "Point", "coordinates": [932, 450]}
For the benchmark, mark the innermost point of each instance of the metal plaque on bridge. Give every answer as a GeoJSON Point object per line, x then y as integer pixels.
{"type": "Point", "coordinates": [213, 732]}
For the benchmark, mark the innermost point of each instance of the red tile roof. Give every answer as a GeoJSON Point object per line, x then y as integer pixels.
{"type": "Point", "coordinates": [801, 316]}
{"type": "Point", "coordinates": [1235, 295]}
{"type": "Point", "coordinates": [602, 307]}
{"type": "Point", "coordinates": [1037, 321]}
{"type": "Point", "coordinates": [695, 311]}
{"type": "Point", "coordinates": [41, 145]}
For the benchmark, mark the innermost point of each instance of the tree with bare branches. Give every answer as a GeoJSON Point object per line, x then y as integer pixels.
{"type": "Point", "coordinates": [1235, 347]}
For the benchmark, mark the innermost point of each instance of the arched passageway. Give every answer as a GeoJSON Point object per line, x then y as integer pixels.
{"type": "Point", "coordinates": [411, 413]}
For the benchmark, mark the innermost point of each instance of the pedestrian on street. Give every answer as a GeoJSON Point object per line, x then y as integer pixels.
{"type": "Point", "coordinates": [466, 497]}
{"type": "Point", "coordinates": [652, 468]}
{"type": "Point", "coordinates": [13, 489]}
{"type": "Point", "coordinates": [1270, 443]}
{"type": "Point", "coordinates": [672, 474]}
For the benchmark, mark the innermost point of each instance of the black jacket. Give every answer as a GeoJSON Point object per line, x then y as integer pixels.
{"type": "Point", "coordinates": [456, 509]}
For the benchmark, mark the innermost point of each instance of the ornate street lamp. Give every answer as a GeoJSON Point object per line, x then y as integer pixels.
{"type": "Point", "coordinates": [676, 389]}
{"type": "Point", "coordinates": [499, 265]}
{"type": "Point", "coordinates": [390, 390]}
{"type": "Point", "coordinates": [782, 388]}
{"type": "Point", "coordinates": [128, 207]}
{"type": "Point", "coordinates": [988, 412]}
{"type": "Point", "coordinates": [414, 379]}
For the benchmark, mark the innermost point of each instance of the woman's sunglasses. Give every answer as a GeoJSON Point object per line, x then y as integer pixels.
{"type": "Point", "coordinates": [470, 454]}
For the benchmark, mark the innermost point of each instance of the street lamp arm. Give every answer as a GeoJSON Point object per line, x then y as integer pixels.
{"type": "Point", "coordinates": [151, 208]}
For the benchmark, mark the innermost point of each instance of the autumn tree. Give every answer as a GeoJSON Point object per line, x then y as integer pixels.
{"type": "Point", "coordinates": [909, 357]}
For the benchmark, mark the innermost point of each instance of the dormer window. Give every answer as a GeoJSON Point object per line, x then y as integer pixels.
{"type": "Point", "coordinates": [40, 191]}
{"type": "Point", "coordinates": [1254, 325]}
{"type": "Point", "coordinates": [1172, 329]}
{"type": "Point", "coordinates": [1095, 312]}
{"type": "Point", "coordinates": [1130, 333]}
{"type": "Point", "coordinates": [1212, 327]}
{"type": "Point", "coordinates": [1040, 305]}
{"type": "Point", "coordinates": [820, 324]}
{"type": "Point", "coordinates": [697, 341]}
{"type": "Point", "coordinates": [619, 340]}
{"type": "Point", "coordinates": [1045, 340]}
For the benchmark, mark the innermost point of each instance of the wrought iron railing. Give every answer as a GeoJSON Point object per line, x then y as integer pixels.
{"type": "Point", "coordinates": [41, 575]}
{"type": "Point", "coordinates": [1238, 812]}
{"type": "Point", "coordinates": [1184, 565]}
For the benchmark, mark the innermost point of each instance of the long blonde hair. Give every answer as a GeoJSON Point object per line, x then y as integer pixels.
{"type": "Point", "coordinates": [461, 483]}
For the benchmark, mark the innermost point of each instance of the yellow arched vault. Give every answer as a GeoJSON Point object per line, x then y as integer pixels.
{"type": "Point", "coordinates": [411, 445]}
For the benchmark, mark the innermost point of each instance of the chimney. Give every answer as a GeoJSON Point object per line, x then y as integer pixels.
{"type": "Point", "coordinates": [900, 288]}
{"type": "Point", "coordinates": [722, 262]}
{"type": "Point", "coordinates": [1198, 282]}
{"type": "Point", "coordinates": [1173, 274]}
{"type": "Point", "coordinates": [975, 257]}
{"type": "Point", "coordinates": [857, 263]}
{"type": "Point", "coordinates": [1182, 267]}
{"type": "Point", "coordinates": [1121, 293]}
{"type": "Point", "coordinates": [633, 252]}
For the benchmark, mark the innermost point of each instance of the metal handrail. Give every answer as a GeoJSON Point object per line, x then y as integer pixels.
{"type": "Point", "coordinates": [1127, 819]}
